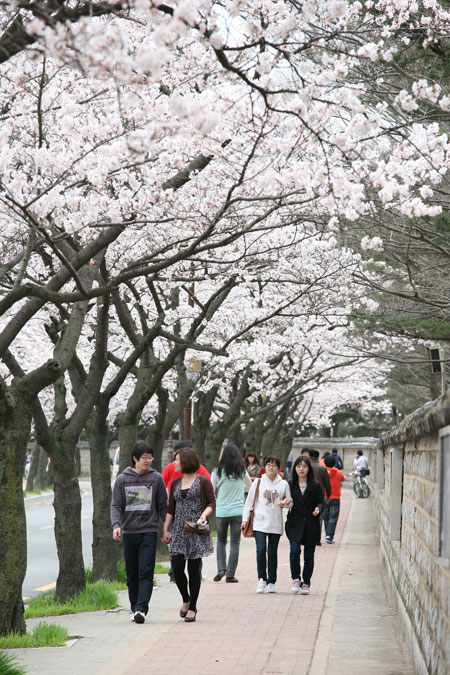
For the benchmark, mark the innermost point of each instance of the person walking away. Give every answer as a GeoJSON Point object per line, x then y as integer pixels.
{"type": "Point", "coordinates": [332, 507]}
{"type": "Point", "coordinates": [339, 464]}
{"type": "Point", "coordinates": [191, 498]}
{"type": "Point", "coordinates": [273, 494]}
{"type": "Point", "coordinates": [139, 500]}
{"type": "Point", "coordinates": [303, 523]}
{"type": "Point", "coordinates": [361, 463]}
{"type": "Point", "coordinates": [230, 479]}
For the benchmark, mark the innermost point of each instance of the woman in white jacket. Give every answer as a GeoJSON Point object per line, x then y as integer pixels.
{"type": "Point", "coordinates": [273, 494]}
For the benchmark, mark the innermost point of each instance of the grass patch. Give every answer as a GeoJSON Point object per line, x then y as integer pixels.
{"type": "Point", "coordinates": [161, 569]}
{"type": "Point", "coordinates": [118, 584]}
{"type": "Point", "coordinates": [42, 635]}
{"type": "Point", "coordinates": [95, 597]}
{"type": "Point", "coordinates": [9, 665]}
{"type": "Point", "coordinates": [30, 492]}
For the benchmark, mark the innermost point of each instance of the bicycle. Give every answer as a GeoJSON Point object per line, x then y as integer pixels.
{"type": "Point", "coordinates": [360, 485]}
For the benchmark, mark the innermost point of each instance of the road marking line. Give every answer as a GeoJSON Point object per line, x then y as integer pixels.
{"type": "Point", "coordinates": [47, 527]}
{"type": "Point", "coordinates": [46, 588]}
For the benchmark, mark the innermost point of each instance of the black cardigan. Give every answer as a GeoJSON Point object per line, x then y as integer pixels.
{"type": "Point", "coordinates": [301, 526]}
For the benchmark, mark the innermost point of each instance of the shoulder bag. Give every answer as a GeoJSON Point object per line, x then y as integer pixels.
{"type": "Point", "coordinates": [248, 527]}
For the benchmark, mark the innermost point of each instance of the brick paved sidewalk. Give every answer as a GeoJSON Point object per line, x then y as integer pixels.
{"type": "Point", "coordinates": [237, 631]}
{"type": "Point", "coordinates": [346, 626]}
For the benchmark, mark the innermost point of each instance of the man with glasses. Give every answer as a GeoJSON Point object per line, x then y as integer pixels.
{"type": "Point", "coordinates": [139, 500]}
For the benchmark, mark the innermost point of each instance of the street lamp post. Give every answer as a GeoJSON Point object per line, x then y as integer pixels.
{"type": "Point", "coordinates": [193, 372]}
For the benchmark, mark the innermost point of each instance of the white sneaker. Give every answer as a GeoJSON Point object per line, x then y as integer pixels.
{"type": "Point", "coordinates": [271, 588]}
{"type": "Point", "coordinates": [261, 587]}
{"type": "Point", "coordinates": [139, 617]}
{"type": "Point", "coordinates": [295, 585]}
{"type": "Point", "coordinates": [304, 590]}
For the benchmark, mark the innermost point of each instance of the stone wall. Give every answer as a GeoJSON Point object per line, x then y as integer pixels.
{"type": "Point", "coordinates": [407, 494]}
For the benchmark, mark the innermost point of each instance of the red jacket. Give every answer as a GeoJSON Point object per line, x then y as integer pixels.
{"type": "Point", "coordinates": [336, 478]}
{"type": "Point", "coordinates": [169, 474]}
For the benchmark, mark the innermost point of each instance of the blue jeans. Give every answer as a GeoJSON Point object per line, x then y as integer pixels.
{"type": "Point", "coordinates": [139, 550]}
{"type": "Point", "coordinates": [267, 564]}
{"type": "Point", "coordinates": [330, 516]}
{"type": "Point", "coordinates": [235, 539]}
{"type": "Point", "coordinates": [308, 561]}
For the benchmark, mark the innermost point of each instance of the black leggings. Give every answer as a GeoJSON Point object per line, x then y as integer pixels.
{"type": "Point", "coordinates": [195, 578]}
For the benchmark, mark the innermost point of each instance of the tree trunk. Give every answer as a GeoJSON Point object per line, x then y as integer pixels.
{"type": "Point", "coordinates": [202, 415]}
{"type": "Point", "coordinates": [105, 551]}
{"type": "Point", "coordinates": [157, 434]}
{"type": "Point", "coordinates": [128, 431]}
{"type": "Point", "coordinates": [33, 468]}
{"type": "Point", "coordinates": [41, 477]}
{"type": "Point", "coordinates": [213, 444]}
{"type": "Point", "coordinates": [15, 425]}
{"type": "Point", "coordinates": [67, 504]}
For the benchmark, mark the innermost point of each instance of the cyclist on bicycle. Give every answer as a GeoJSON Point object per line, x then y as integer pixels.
{"type": "Point", "coordinates": [361, 463]}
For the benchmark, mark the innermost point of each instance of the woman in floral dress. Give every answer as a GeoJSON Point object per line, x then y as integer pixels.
{"type": "Point", "coordinates": [191, 498]}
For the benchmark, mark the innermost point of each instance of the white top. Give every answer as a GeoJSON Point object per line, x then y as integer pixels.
{"type": "Point", "coordinates": [361, 462]}
{"type": "Point", "coordinates": [268, 516]}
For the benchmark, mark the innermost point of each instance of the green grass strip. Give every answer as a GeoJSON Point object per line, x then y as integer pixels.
{"type": "Point", "coordinates": [95, 597]}
{"type": "Point", "coordinates": [42, 635]}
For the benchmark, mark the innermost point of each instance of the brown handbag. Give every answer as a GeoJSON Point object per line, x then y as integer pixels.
{"type": "Point", "coordinates": [195, 528]}
{"type": "Point", "coordinates": [248, 527]}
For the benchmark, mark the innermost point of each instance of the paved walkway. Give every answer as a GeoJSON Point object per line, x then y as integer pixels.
{"type": "Point", "coordinates": [347, 625]}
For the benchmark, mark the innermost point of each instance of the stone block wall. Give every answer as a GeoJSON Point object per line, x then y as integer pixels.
{"type": "Point", "coordinates": [419, 578]}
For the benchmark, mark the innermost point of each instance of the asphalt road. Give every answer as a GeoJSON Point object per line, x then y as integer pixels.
{"type": "Point", "coordinates": [42, 565]}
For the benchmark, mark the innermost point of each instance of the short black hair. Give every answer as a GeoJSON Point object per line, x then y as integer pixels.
{"type": "Point", "coordinates": [139, 449]}
{"type": "Point", "coordinates": [179, 445]}
{"type": "Point", "coordinates": [359, 452]}
{"type": "Point", "coordinates": [272, 460]}
{"type": "Point", "coordinates": [330, 461]}
{"type": "Point", "coordinates": [314, 454]}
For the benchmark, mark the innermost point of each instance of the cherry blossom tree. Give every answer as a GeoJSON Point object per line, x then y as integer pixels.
{"type": "Point", "coordinates": [153, 146]}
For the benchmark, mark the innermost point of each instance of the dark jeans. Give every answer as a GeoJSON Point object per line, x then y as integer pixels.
{"type": "Point", "coordinates": [195, 578]}
{"type": "Point", "coordinates": [267, 564]}
{"type": "Point", "coordinates": [330, 516]}
{"type": "Point", "coordinates": [308, 561]}
{"type": "Point", "coordinates": [139, 551]}
{"type": "Point", "coordinates": [235, 539]}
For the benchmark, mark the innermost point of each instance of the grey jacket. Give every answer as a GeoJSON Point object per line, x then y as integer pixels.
{"type": "Point", "coordinates": [138, 501]}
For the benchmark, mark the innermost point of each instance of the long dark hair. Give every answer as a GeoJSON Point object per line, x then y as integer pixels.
{"type": "Point", "coordinates": [309, 476]}
{"type": "Point", "coordinates": [251, 454]}
{"type": "Point", "coordinates": [231, 462]}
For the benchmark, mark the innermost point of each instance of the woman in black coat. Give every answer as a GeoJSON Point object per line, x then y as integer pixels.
{"type": "Point", "coordinates": [303, 522]}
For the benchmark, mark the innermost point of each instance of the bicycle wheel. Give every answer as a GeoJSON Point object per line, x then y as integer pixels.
{"type": "Point", "coordinates": [357, 488]}
{"type": "Point", "coordinates": [365, 490]}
